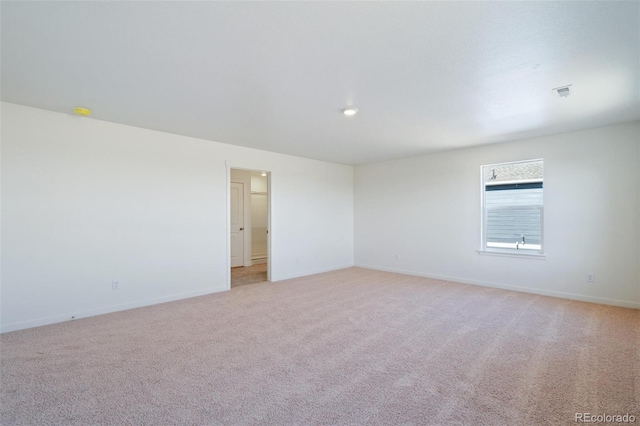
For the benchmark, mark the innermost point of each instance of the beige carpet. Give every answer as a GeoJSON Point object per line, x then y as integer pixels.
{"type": "Point", "coordinates": [244, 275]}
{"type": "Point", "coordinates": [347, 347]}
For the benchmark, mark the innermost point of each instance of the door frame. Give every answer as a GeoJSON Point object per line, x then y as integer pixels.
{"type": "Point", "coordinates": [239, 166]}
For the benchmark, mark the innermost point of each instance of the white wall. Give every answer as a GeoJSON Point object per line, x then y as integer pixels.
{"type": "Point", "coordinates": [259, 217]}
{"type": "Point", "coordinates": [258, 183]}
{"type": "Point", "coordinates": [85, 202]}
{"type": "Point", "coordinates": [427, 210]}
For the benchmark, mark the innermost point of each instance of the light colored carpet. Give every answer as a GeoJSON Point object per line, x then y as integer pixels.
{"type": "Point", "coordinates": [244, 275]}
{"type": "Point", "coordinates": [347, 347]}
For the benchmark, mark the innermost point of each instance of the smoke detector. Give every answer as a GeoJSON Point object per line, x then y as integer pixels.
{"type": "Point", "coordinates": [563, 92]}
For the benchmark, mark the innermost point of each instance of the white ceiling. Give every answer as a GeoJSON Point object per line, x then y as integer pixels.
{"type": "Point", "coordinates": [426, 76]}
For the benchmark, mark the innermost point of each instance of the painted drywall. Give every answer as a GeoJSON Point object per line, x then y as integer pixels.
{"type": "Point", "coordinates": [258, 183]}
{"type": "Point", "coordinates": [426, 210]}
{"type": "Point", "coordinates": [259, 218]}
{"type": "Point", "coordinates": [86, 202]}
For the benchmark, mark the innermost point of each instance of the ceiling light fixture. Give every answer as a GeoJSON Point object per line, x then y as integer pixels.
{"type": "Point", "coordinates": [263, 174]}
{"type": "Point", "coordinates": [350, 111]}
{"type": "Point", "coordinates": [82, 111]}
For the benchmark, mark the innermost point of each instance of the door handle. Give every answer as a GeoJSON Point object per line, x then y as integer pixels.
{"type": "Point", "coordinates": [242, 229]}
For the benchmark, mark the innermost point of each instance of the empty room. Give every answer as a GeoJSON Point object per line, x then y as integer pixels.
{"type": "Point", "coordinates": [320, 213]}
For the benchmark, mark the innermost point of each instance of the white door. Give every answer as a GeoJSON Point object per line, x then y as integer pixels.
{"type": "Point", "coordinates": [237, 224]}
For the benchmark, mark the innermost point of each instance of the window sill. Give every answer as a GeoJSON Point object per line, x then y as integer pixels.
{"type": "Point", "coordinates": [534, 256]}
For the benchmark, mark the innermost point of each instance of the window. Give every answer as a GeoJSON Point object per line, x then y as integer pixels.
{"type": "Point", "coordinates": [512, 212]}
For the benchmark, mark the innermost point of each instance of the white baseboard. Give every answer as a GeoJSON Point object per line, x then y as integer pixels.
{"type": "Point", "coordinates": [103, 310]}
{"type": "Point", "coordinates": [138, 304]}
{"type": "Point", "coordinates": [559, 294]}
{"type": "Point", "coordinates": [312, 272]}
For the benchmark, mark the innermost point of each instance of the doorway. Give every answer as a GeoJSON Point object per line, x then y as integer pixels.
{"type": "Point", "coordinates": [249, 239]}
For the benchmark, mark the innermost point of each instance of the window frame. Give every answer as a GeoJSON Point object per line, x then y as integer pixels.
{"type": "Point", "coordinates": [506, 251]}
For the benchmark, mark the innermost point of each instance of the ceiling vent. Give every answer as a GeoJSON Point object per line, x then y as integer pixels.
{"type": "Point", "coordinates": [563, 92]}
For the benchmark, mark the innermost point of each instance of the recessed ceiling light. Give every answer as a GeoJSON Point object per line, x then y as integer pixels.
{"type": "Point", "coordinates": [263, 174]}
{"type": "Point", "coordinates": [82, 111]}
{"type": "Point", "coordinates": [350, 111]}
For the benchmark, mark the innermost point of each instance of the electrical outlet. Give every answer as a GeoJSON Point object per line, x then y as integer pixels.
{"type": "Point", "coordinates": [115, 285]}
{"type": "Point", "coordinates": [591, 277]}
